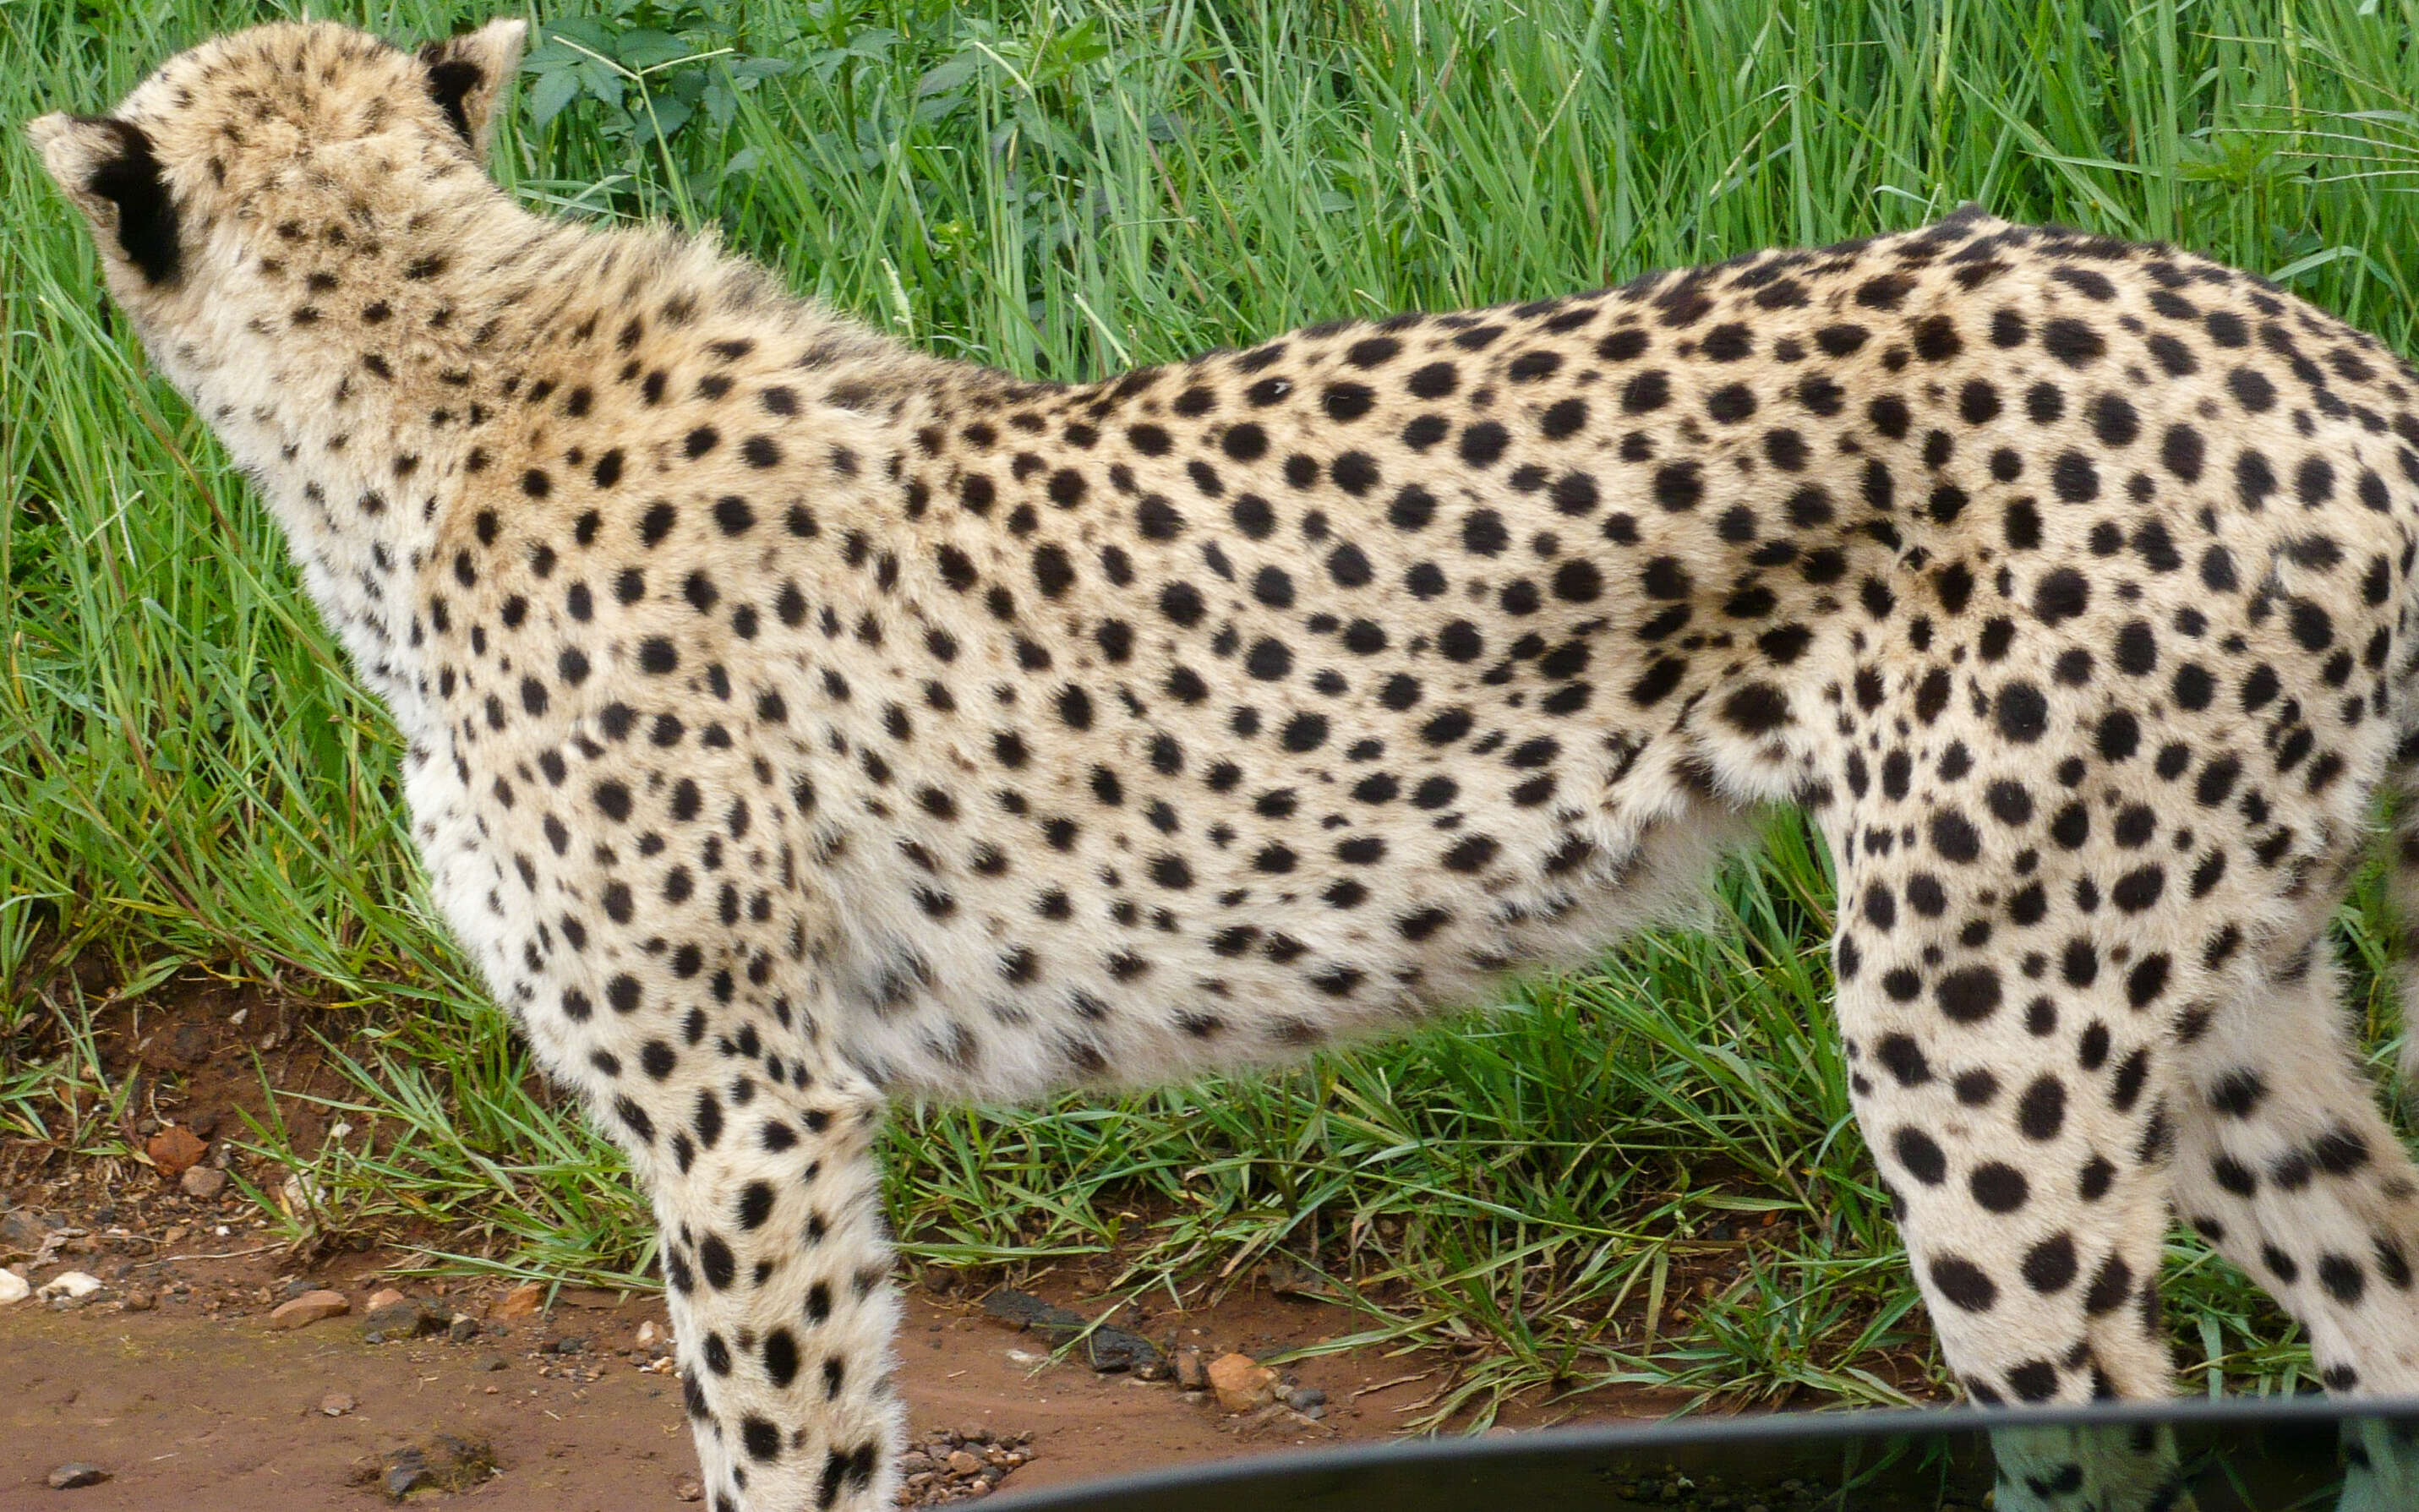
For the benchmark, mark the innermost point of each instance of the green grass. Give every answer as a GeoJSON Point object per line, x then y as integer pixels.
{"type": "Point", "coordinates": [1574, 1194]}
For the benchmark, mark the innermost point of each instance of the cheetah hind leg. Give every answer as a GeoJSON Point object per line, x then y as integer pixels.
{"type": "Point", "coordinates": [2022, 1137]}
{"type": "Point", "coordinates": [2285, 1163]}
{"type": "Point", "coordinates": [777, 1270]}
{"type": "Point", "coordinates": [2118, 1468]}
{"type": "Point", "coordinates": [2072, 1469]}
{"type": "Point", "coordinates": [2381, 1455]}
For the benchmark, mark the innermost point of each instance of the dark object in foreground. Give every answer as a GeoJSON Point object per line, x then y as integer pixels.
{"type": "Point", "coordinates": [1107, 1349]}
{"type": "Point", "coordinates": [2241, 1455]}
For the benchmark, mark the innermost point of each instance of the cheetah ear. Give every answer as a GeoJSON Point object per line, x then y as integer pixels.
{"type": "Point", "coordinates": [107, 167]}
{"type": "Point", "coordinates": [467, 73]}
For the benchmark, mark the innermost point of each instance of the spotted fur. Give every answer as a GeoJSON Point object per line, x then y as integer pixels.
{"type": "Point", "coordinates": [796, 722]}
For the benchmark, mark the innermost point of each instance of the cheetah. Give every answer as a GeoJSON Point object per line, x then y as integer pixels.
{"type": "Point", "coordinates": [795, 722]}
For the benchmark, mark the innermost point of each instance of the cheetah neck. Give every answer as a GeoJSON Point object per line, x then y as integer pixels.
{"type": "Point", "coordinates": [479, 333]}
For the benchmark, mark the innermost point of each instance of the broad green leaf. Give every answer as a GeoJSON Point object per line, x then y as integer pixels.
{"type": "Point", "coordinates": [553, 90]}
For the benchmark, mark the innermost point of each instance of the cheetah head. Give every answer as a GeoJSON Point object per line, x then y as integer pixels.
{"type": "Point", "coordinates": [232, 183]}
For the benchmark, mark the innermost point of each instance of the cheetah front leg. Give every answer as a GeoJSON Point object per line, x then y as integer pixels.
{"type": "Point", "coordinates": [767, 1199]}
{"type": "Point", "coordinates": [697, 1020]}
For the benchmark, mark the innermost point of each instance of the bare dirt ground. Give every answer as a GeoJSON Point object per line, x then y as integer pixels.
{"type": "Point", "coordinates": [196, 1403]}
{"type": "Point", "coordinates": [172, 1381]}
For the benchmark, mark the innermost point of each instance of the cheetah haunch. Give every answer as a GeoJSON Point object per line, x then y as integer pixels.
{"type": "Point", "coordinates": [796, 722]}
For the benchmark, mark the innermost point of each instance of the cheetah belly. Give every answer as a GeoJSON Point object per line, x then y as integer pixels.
{"type": "Point", "coordinates": [927, 1010]}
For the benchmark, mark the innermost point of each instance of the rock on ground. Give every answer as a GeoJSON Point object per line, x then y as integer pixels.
{"type": "Point", "coordinates": [71, 1285]}
{"type": "Point", "coordinates": [1242, 1383]}
{"type": "Point", "coordinates": [175, 1151]}
{"type": "Point", "coordinates": [309, 1309]}
{"type": "Point", "coordinates": [398, 1317]}
{"type": "Point", "coordinates": [1107, 1346]}
{"type": "Point", "coordinates": [1192, 1369]}
{"type": "Point", "coordinates": [438, 1462]}
{"type": "Point", "coordinates": [523, 1301]}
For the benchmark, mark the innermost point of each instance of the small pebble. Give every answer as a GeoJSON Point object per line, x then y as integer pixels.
{"type": "Point", "coordinates": [73, 1476]}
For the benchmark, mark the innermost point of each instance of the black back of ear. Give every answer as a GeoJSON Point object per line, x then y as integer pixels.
{"type": "Point", "coordinates": [450, 81]}
{"type": "Point", "coordinates": [146, 219]}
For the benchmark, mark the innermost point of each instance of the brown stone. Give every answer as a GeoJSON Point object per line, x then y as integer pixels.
{"type": "Point", "coordinates": [175, 1151]}
{"type": "Point", "coordinates": [396, 1315]}
{"type": "Point", "coordinates": [24, 1228]}
{"type": "Point", "coordinates": [1242, 1383]}
{"type": "Point", "coordinates": [202, 1183]}
{"type": "Point", "coordinates": [523, 1301]}
{"type": "Point", "coordinates": [309, 1309]}
{"type": "Point", "coordinates": [1191, 1370]}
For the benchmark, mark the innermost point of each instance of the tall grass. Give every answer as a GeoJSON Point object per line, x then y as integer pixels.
{"type": "Point", "coordinates": [1648, 1176]}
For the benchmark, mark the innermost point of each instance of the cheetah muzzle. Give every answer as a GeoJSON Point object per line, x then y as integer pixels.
{"type": "Point", "coordinates": [795, 721]}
